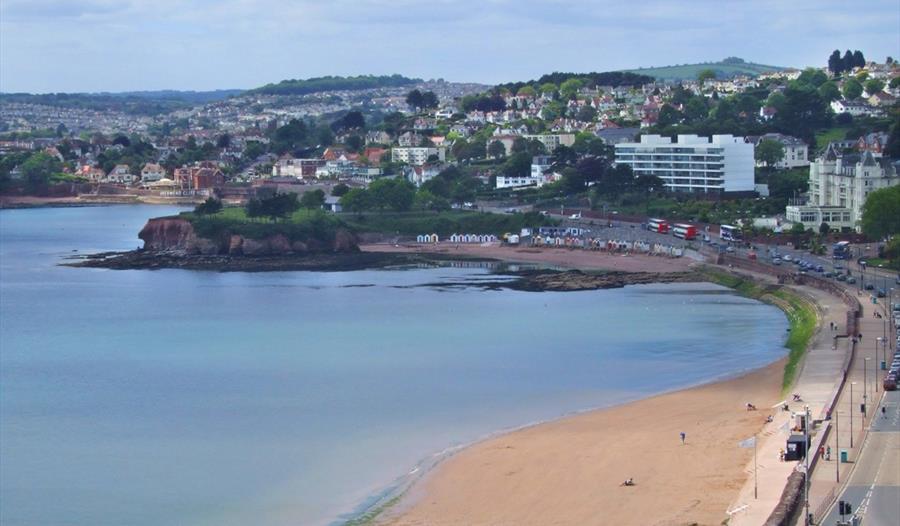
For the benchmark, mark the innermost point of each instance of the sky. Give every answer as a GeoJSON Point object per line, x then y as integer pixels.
{"type": "Point", "coordinates": [126, 45]}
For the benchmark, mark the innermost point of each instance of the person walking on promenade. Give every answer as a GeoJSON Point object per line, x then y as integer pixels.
{"type": "Point", "coordinates": [682, 437]}
{"type": "Point", "coordinates": [883, 412]}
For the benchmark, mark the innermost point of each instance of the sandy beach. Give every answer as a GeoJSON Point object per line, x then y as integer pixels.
{"type": "Point", "coordinates": [563, 257]}
{"type": "Point", "coordinates": [569, 471]}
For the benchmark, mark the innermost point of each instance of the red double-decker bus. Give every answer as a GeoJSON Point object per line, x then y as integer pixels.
{"type": "Point", "coordinates": [685, 231]}
{"type": "Point", "coordinates": [658, 225]}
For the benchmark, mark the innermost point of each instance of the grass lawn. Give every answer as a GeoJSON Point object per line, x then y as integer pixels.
{"type": "Point", "coordinates": [830, 135]}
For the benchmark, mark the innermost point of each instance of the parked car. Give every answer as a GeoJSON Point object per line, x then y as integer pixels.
{"type": "Point", "coordinates": [786, 257]}
{"type": "Point", "coordinates": [869, 286]}
{"type": "Point", "coordinates": [881, 293]}
{"type": "Point", "coordinates": [841, 277]}
{"type": "Point", "coordinates": [851, 280]}
{"type": "Point", "coordinates": [820, 268]}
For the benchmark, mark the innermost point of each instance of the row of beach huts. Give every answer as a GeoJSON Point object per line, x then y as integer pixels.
{"type": "Point", "coordinates": [563, 241]}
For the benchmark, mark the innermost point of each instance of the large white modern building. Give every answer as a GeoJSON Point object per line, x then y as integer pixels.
{"type": "Point", "coordinates": [838, 187]}
{"type": "Point", "coordinates": [721, 164]}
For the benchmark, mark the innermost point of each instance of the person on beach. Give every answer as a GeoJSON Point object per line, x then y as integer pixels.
{"type": "Point", "coordinates": [682, 437]}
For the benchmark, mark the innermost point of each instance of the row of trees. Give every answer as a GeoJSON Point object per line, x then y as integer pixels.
{"type": "Point", "coordinates": [838, 64]}
{"type": "Point", "coordinates": [422, 100]}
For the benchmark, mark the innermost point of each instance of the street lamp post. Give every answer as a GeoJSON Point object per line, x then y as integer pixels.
{"type": "Point", "coordinates": [878, 365]}
{"type": "Point", "coordinates": [806, 460]}
{"type": "Point", "coordinates": [837, 449]}
{"type": "Point", "coordinates": [865, 390]}
{"type": "Point", "coordinates": [851, 413]}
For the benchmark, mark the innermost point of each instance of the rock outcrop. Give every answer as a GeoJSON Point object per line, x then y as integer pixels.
{"type": "Point", "coordinates": [174, 236]}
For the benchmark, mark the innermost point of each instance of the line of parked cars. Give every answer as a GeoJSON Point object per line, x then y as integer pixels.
{"type": "Point", "coordinates": [890, 381]}
{"type": "Point", "coordinates": [803, 265]}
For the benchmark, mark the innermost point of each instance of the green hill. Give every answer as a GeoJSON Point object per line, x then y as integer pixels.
{"type": "Point", "coordinates": [727, 68]}
{"type": "Point", "coordinates": [322, 84]}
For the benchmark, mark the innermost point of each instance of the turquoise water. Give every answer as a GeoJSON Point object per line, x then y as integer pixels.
{"type": "Point", "coordinates": [191, 398]}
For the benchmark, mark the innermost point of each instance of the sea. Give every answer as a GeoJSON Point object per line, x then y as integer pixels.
{"type": "Point", "coordinates": [176, 397]}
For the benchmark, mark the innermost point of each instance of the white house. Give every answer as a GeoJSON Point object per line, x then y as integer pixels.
{"type": "Point", "coordinates": [152, 172]}
{"type": "Point", "coordinates": [721, 164]}
{"type": "Point", "coordinates": [838, 188]}
{"type": "Point", "coordinates": [795, 150]}
{"type": "Point", "coordinates": [121, 174]}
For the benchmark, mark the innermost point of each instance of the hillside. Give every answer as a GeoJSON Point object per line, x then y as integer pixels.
{"type": "Point", "coordinates": [321, 84]}
{"type": "Point", "coordinates": [133, 102]}
{"type": "Point", "coordinates": [726, 68]}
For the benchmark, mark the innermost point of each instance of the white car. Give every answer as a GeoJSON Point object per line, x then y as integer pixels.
{"type": "Point", "coordinates": [786, 257]}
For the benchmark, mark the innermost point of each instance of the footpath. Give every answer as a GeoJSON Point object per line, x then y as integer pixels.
{"type": "Point", "coordinates": [817, 381]}
{"type": "Point", "coordinates": [852, 424]}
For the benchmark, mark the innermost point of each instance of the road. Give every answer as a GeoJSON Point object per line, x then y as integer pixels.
{"type": "Point", "coordinates": [874, 487]}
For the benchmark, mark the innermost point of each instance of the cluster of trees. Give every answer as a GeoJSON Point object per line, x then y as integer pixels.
{"type": "Point", "coordinates": [209, 207]}
{"type": "Point", "coordinates": [334, 83]}
{"type": "Point", "coordinates": [419, 100]}
{"type": "Point", "coordinates": [490, 101]}
{"type": "Point", "coordinates": [278, 206]}
{"type": "Point", "coordinates": [551, 82]}
{"type": "Point", "coordinates": [385, 194]}
{"type": "Point", "coordinates": [838, 64]}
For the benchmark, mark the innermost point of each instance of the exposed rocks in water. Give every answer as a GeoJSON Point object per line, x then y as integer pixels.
{"type": "Point", "coordinates": [572, 280]}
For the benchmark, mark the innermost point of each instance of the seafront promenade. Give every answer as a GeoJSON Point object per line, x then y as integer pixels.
{"type": "Point", "coordinates": [816, 383]}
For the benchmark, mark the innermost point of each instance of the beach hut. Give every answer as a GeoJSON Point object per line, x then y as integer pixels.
{"type": "Point", "coordinates": [512, 239]}
{"type": "Point", "coordinates": [433, 238]}
{"type": "Point", "coordinates": [421, 239]}
{"type": "Point", "coordinates": [454, 238]}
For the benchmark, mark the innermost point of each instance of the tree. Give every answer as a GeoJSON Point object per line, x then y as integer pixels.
{"type": "Point", "coordinates": [895, 83]}
{"type": "Point", "coordinates": [548, 88]}
{"type": "Point", "coordinates": [569, 88]}
{"type": "Point", "coordinates": [835, 64]}
{"type": "Point", "coordinates": [852, 89]}
{"type": "Point", "coordinates": [223, 141]}
{"type": "Point", "coordinates": [873, 86]}
{"type": "Point", "coordinates": [496, 150]}
{"type": "Point", "coordinates": [824, 228]}
{"type": "Point", "coordinates": [357, 200]}
{"type": "Point", "coordinates": [208, 207]}
{"type": "Point", "coordinates": [881, 213]}
{"type": "Point", "coordinates": [394, 194]}
{"type": "Point", "coordinates": [352, 120]}
{"type": "Point", "coordinates": [564, 156]}
{"type": "Point", "coordinates": [313, 199]}
{"type": "Point", "coordinates": [340, 189]}
{"type": "Point", "coordinates": [812, 77]}
{"type": "Point", "coordinates": [39, 169]}
{"type": "Point", "coordinates": [429, 100]}
{"type": "Point", "coordinates": [425, 200]}
{"type": "Point", "coordinates": [797, 229]}
{"type": "Point", "coordinates": [526, 91]}
{"type": "Point", "coordinates": [859, 61]}
{"type": "Point", "coordinates": [289, 137]}
{"type": "Point", "coordinates": [847, 60]}
{"type": "Point", "coordinates": [278, 206]}
{"type": "Point", "coordinates": [586, 113]}
{"type": "Point", "coordinates": [704, 75]}
{"type": "Point", "coordinates": [770, 152]}
{"type": "Point", "coordinates": [517, 165]}
{"type": "Point", "coordinates": [669, 116]}
{"type": "Point", "coordinates": [829, 91]}
{"type": "Point", "coordinates": [415, 99]}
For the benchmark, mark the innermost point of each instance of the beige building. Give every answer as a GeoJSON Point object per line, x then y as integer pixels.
{"type": "Point", "coordinates": [838, 188]}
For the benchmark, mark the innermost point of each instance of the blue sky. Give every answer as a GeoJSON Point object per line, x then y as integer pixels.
{"type": "Point", "coordinates": [120, 45]}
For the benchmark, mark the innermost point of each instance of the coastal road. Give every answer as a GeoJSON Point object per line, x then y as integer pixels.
{"type": "Point", "coordinates": [874, 487]}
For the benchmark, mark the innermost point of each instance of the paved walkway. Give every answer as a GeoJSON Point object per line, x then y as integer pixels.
{"type": "Point", "coordinates": [865, 381]}
{"type": "Point", "coordinates": [816, 382]}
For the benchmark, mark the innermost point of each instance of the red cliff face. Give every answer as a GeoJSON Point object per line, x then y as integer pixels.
{"type": "Point", "coordinates": [169, 235]}
{"type": "Point", "coordinates": [175, 235]}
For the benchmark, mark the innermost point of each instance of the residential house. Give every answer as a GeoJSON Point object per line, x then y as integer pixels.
{"type": "Point", "coordinates": [152, 172]}
{"type": "Point", "coordinates": [872, 142]}
{"type": "Point", "coordinates": [121, 174]}
{"type": "Point", "coordinates": [796, 151]}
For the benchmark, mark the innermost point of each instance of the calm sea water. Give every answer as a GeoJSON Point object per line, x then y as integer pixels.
{"type": "Point", "coordinates": [193, 398]}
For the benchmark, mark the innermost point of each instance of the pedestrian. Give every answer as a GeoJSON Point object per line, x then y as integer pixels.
{"type": "Point", "coordinates": [828, 453]}
{"type": "Point", "coordinates": [883, 412]}
{"type": "Point", "coordinates": [682, 437]}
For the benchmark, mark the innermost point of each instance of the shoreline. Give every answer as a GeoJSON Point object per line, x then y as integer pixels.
{"type": "Point", "coordinates": [28, 202]}
{"type": "Point", "coordinates": [473, 484]}
{"type": "Point", "coordinates": [466, 485]}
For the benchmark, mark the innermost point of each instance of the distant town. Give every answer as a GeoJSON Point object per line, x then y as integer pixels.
{"type": "Point", "coordinates": [768, 148]}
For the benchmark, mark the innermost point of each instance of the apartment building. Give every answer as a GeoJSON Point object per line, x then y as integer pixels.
{"type": "Point", "coordinates": [417, 156]}
{"type": "Point", "coordinates": [721, 164]}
